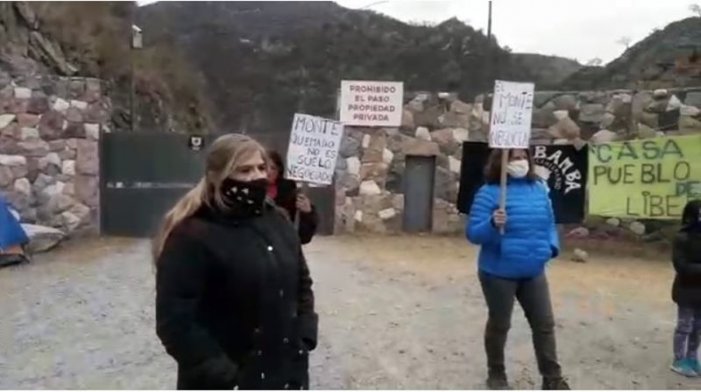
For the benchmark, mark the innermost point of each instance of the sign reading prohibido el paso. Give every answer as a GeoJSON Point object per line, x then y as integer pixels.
{"type": "Point", "coordinates": [651, 179]}
{"type": "Point", "coordinates": [371, 104]}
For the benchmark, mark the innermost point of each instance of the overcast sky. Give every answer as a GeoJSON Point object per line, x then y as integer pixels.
{"type": "Point", "coordinates": [581, 29]}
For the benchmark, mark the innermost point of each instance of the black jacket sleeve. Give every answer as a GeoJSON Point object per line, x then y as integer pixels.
{"type": "Point", "coordinates": [308, 319]}
{"type": "Point", "coordinates": [681, 257]}
{"type": "Point", "coordinates": [308, 223]}
{"type": "Point", "coordinates": [181, 276]}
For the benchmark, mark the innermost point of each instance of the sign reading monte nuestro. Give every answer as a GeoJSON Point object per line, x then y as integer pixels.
{"type": "Point", "coordinates": [313, 149]}
{"type": "Point", "coordinates": [644, 179]}
{"type": "Point", "coordinates": [371, 104]}
{"type": "Point", "coordinates": [512, 108]}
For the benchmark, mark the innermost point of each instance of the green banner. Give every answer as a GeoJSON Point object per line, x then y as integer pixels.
{"type": "Point", "coordinates": [650, 179]}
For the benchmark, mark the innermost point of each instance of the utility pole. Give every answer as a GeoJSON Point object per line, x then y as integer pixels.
{"type": "Point", "coordinates": [135, 42]}
{"type": "Point", "coordinates": [489, 63]}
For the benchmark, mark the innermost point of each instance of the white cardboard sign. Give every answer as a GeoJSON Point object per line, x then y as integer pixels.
{"type": "Point", "coordinates": [371, 104]}
{"type": "Point", "coordinates": [512, 108]}
{"type": "Point", "coordinates": [313, 149]}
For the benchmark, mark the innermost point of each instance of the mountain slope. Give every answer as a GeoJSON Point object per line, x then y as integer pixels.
{"type": "Point", "coordinates": [262, 61]}
{"type": "Point", "coordinates": [91, 39]}
{"type": "Point", "coordinates": [666, 58]}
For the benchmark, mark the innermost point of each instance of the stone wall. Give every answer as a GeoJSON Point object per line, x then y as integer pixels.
{"type": "Point", "coordinates": [371, 164]}
{"type": "Point", "coordinates": [49, 165]}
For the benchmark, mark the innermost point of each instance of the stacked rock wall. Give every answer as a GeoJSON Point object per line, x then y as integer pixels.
{"type": "Point", "coordinates": [49, 164]}
{"type": "Point", "coordinates": [370, 169]}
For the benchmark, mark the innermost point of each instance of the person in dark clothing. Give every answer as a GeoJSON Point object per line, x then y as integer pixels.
{"type": "Point", "coordinates": [287, 196]}
{"type": "Point", "coordinates": [686, 291]}
{"type": "Point", "coordinates": [512, 264]}
{"type": "Point", "coordinates": [234, 299]}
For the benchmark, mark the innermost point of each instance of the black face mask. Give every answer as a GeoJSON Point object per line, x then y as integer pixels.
{"type": "Point", "coordinates": [245, 197]}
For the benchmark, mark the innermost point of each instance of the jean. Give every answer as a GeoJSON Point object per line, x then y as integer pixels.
{"type": "Point", "coordinates": [534, 296]}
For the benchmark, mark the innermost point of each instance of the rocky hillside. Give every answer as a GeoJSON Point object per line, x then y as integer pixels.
{"type": "Point", "coordinates": [262, 61]}
{"type": "Point", "coordinates": [91, 39]}
{"type": "Point", "coordinates": [670, 57]}
{"type": "Point", "coordinates": [548, 71]}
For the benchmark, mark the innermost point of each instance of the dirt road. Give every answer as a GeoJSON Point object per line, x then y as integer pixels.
{"type": "Point", "coordinates": [396, 312]}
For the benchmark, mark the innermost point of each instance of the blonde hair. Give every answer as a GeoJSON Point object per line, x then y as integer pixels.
{"type": "Point", "coordinates": [226, 154]}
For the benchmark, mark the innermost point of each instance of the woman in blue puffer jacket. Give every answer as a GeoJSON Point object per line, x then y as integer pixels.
{"type": "Point", "coordinates": [512, 264]}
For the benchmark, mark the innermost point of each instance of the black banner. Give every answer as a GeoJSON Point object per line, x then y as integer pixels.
{"type": "Point", "coordinates": [564, 167]}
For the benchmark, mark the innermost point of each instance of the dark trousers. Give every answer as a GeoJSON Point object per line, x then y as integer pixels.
{"type": "Point", "coordinates": [687, 335]}
{"type": "Point", "coordinates": [534, 297]}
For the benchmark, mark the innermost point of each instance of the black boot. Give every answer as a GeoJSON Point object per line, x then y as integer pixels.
{"type": "Point", "coordinates": [497, 382]}
{"type": "Point", "coordinates": [555, 384]}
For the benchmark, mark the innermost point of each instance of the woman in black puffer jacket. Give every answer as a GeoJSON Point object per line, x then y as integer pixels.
{"type": "Point", "coordinates": [234, 299]}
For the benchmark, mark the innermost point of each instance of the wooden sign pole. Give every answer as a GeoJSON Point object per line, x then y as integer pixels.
{"type": "Point", "coordinates": [305, 191]}
{"type": "Point", "coordinates": [502, 193]}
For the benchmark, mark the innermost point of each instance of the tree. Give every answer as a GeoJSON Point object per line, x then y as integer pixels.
{"type": "Point", "coordinates": [696, 9]}
{"type": "Point", "coordinates": [625, 41]}
{"type": "Point", "coordinates": [595, 62]}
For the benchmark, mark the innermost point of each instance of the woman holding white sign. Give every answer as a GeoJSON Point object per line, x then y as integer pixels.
{"type": "Point", "coordinates": [234, 299]}
{"type": "Point", "coordinates": [512, 262]}
{"type": "Point", "coordinates": [287, 196]}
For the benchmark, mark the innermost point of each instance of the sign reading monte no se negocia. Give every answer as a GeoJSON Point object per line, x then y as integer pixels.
{"type": "Point", "coordinates": [512, 107]}
{"type": "Point", "coordinates": [371, 103]}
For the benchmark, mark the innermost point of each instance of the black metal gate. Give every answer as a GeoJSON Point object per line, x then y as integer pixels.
{"type": "Point", "coordinates": [142, 174]}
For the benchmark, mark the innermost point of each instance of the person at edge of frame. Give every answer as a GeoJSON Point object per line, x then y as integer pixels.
{"type": "Point", "coordinates": [234, 298]}
{"type": "Point", "coordinates": [686, 291]}
{"type": "Point", "coordinates": [512, 263]}
{"type": "Point", "coordinates": [287, 196]}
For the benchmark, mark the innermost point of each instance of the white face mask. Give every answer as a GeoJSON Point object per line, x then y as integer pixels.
{"type": "Point", "coordinates": [518, 168]}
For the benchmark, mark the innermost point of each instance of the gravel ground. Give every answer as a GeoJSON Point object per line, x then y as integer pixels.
{"type": "Point", "coordinates": [396, 313]}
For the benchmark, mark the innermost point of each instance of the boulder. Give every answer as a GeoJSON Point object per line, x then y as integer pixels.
{"type": "Point", "coordinates": [6, 176]}
{"type": "Point", "coordinates": [565, 129]}
{"type": "Point", "coordinates": [23, 93]}
{"type": "Point", "coordinates": [613, 222]}
{"type": "Point", "coordinates": [637, 228]}
{"type": "Point", "coordinates": [673, 104]}
{"type": "Point", "coordinates": [12, 160]}
{"type": "Point", "coordinates": [38, 104]}
{"type": "Point", "coordinates": [61, 105]}
{"type": "Point", "coordinates": [42, 238]}
{"type": "Point", "coordinates": [689, 124]}
{"type": "Point", "coordinates": [33, 148]}
{"type": "Point", "coordinates": [26, 120]}
{"type": "Point", "coordinates": [369, 188]}
{"type": "Point", "coordinates": [579, 232]}
{"type": "Point", "coordinates": [51, 125]}
{"type": "Point", "coordinates": [87, 160]}
{"type": "Point", "coordinates": [423, 133]}
{"type": "Point", "coordinates": [603, 136]}
{"type": "Point", "coordinates": [580, 256]}
{"type": "Point", "coordinates": [6, 119]}
{"type": "Point", "coordinates": [687, 110]}
{"type": "Point", "coordinates": [350, 146]}
{"type": "Point", "coordinates": [592, 113]}
{"type": "Point", "coordinates": [461, 135]}
{"type": "Point", "coordinates": [693, 98]}
{"type": "Point", "coordinates": [660, 93]}
{"type": "Point", "coordinates": [446, 141]}
{"type": "Point", "coordinates": [420, 147]}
